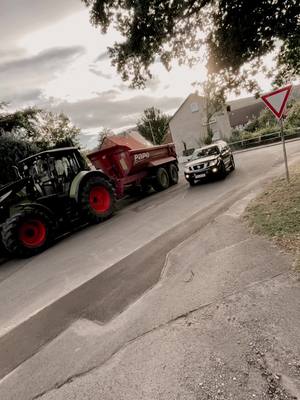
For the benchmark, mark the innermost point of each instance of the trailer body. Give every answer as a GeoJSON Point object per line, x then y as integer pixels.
{"type": "Point", "coordinates": [127, 167]}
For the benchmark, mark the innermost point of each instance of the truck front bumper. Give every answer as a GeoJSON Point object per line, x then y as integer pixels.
{"type": "Point", "coordinates": [208, 173]}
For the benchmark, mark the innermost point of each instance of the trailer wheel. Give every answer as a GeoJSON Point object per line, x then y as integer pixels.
{"type": "Point", "coordinates": [162, 180]}
{"type": "Point", "coordinates": [173, 174]}
{"type": "Point", "coordinates": [27, 233]}
{"type": "Point", "coordinates": [97, 200]}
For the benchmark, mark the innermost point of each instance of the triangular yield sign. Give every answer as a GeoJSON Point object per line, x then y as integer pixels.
{"type": "Point", "coordinates": [276, 101]}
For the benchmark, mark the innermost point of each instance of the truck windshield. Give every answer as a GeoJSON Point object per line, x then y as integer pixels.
{"type": "Point", "coordinates": [206, 152]}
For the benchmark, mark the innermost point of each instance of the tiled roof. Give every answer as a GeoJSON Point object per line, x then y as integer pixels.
{"type": "Point", "coordinates": [245, 114]}
{"type": "Point", "coordinates": [127, 140]}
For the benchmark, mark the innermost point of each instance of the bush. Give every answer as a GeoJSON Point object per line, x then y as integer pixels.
{"type": "Point", "coordinates": [12, 150]}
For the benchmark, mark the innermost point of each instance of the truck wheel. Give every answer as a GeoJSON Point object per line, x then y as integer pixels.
{"type": "Point", "coordinates": [27, 233]}
{"type": "Point", "coordinates": [222, 172]}
{"type": "Point", "coordinates": [173, 174]}
{"type": "Point", "coordinates": [97, 200]}
{"type": "Point", "coordinates": [162, 181]}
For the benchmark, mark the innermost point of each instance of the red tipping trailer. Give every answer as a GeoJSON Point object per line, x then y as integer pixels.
{"type": "Point", "coordinates": [156, 166]}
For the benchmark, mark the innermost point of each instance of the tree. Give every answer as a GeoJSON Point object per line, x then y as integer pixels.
{"type": "Point", "coordinates": [214, 94]}
{"type": "Point", "coordinates": [103, 134]}
{"type": "Point", "coordinates": [12, 150]}
{"type": "Point", "coordinates": [44, 128]}
{"type": "Point", "coordinates": [233, 33]}
{"type": "Point", "coordinates": [153, 125]}
{"type": "Point", "coordinates": [293, 117]}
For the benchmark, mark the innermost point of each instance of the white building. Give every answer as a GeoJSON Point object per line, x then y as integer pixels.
{"type": "Point", "coordinates": [188, 125]}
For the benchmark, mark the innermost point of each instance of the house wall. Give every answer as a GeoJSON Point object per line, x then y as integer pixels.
{"type": "Point", "coordinates": [187, 123]}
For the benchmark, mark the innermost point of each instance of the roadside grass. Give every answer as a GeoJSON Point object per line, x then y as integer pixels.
{"type": "Point", "coordinates": [276, 213]}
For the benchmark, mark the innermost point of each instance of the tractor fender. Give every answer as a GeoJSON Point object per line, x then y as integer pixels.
{"type": "Point", "coordinates": [82, 177]}
{"type": "Point", "coordinates": [36, 206]}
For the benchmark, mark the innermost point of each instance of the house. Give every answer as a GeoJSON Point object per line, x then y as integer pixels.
{"type": "Point", "coordinates": [240, 118]}
{"type": "Point", "coordinates": [188, 125]}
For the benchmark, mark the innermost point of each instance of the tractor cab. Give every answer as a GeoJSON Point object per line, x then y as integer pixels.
{"type": "Point", "coordinates": [52, 171]}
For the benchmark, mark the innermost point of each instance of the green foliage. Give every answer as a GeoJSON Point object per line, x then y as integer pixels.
{"type": "Point", "coordinates": [103, 134]}
{"type": "Point", "coordinates": [154, 123]}
{"type": "Point", "coordinates": [44, 128]}
{"type": "Point", "coordinates": [12, 150]}
{"type": "Point", "coordinates": [235, 33]}
{"type": "Point", "coordinates": [209, 137]}
{"type": "Point", "coordinates": [293, 118]}
{"type": "Point", "coordinates": [25, 132]}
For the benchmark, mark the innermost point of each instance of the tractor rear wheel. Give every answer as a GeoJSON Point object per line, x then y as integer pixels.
{"type": "Point", "coordinates": [27, 233]}
{"type": "Point", "coordinates": [173, 174]}
{"type": "Point", "coordinates": [162, 180]}
{"type": "Point", "coordinates": [97, 200]}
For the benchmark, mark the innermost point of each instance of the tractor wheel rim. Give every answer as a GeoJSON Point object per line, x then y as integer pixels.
{"type": "Point", "coordinates": [33, 233]}
{"type": "Point", "coordinates": [99, 199]}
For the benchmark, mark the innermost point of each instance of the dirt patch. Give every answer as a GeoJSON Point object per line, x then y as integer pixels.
{"type": "Point", "coordinates": [276, 213]}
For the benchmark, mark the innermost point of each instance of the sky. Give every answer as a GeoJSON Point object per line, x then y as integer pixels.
{"type": "Point", "coordinates": [51, 57]}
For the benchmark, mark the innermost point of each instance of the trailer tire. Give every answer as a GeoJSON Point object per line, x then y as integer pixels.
{"type": "Point", "coordinates": [173, 174]}
{"type": "Point", "coordinates": [162, 180]}
{"type": "Point", "coordinates": [97, 200]}
{"type": "Point", "coordinates": [27, 233]}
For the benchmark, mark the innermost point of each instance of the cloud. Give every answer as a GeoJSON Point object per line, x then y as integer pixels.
{"type": "Point", "coordinates": [105, 110]}
{"type": "Point", "coordinates": [100, 73]}
{"type": "Point", "coordinates": [102, 57]}
{"type": "Point", "coordinates": [30, 74]}
{"type": "Point", "coordinates": [20, 17]}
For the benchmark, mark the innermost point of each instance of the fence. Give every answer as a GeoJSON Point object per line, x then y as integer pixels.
{"type": "Point", "coordinates": [262, 140]}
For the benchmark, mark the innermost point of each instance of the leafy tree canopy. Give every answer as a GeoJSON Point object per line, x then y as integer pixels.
{"type": "Point", "coordinates": [41, 127]}
{"type": "Point", "coordinates": [154, 125]}
{"type": "Point", "coordinates": [234, 33]}
{"type": "Point", "coordinates": [103, 134]}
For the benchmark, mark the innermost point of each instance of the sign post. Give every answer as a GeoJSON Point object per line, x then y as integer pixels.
{"type": "Point", "coordinates": [276, 102]}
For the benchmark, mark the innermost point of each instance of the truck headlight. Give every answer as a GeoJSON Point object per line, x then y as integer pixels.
{"type": "Point", "coordinates": [213, 162]}
{"type": "Point", "coordinates": [187, 176]}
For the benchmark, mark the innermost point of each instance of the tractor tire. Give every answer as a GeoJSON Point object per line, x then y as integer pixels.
{"type": "Point", "coordinates": [173, 174]}
{"type": "Point", "coordinates": [97, 200]}
{"type": "Point", "coordinates": [27, 233]}
{"type": "Point", "coordinates": [161, 181]}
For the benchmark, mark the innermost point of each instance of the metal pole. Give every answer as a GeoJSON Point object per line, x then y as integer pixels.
{"type": "Point", "coordinates": [284, 152]}
{"type": "Point", "coordinates": [153, 138]}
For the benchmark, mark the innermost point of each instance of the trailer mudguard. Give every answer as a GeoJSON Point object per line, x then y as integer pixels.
{"type": "Point", "coordinates": [80, 178]}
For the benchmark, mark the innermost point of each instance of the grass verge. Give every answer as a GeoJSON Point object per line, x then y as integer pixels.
{"type": "Point", "coordinates": [276, 213]}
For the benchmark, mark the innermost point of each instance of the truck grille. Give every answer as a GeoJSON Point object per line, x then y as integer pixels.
{"type": "Point", "coordinates": [199, 167]}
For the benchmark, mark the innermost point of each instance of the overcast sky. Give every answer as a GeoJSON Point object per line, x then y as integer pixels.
{"type": "Point", "coordinates": [51, 56]}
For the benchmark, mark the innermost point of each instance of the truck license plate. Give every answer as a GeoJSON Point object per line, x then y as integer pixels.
{"type": "Point", "coordinates": [198, 176]}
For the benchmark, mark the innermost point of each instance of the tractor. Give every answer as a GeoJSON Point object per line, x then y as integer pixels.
{"type": "Point", "coordinates": [54, 191]}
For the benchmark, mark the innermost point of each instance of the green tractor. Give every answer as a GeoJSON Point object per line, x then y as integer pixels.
{"type": "Point", "coordinates": [54, 191]}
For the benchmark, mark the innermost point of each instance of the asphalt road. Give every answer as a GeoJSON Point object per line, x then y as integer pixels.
{"type": "Point", "coordinates": [29, 287]}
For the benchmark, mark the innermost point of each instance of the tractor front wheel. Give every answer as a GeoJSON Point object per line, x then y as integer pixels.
{"type": "Point", "coordinates": [27, 233]}
{"type": "Point", "coordinates": [97, 200]}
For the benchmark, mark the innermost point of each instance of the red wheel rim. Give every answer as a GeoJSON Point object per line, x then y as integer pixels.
{"type": "Point", "coordinates": [33, 233]}
{"type": "Point", "coordinates": [100, 199]}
